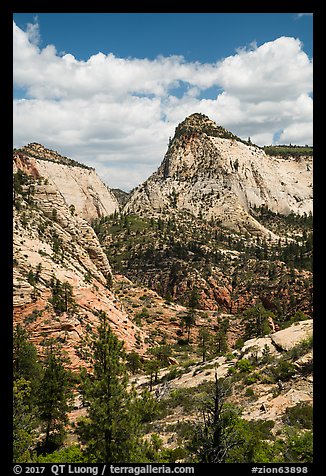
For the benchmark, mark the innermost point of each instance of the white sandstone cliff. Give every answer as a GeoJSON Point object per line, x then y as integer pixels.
{"type": "Point", "coordinates": [210, 173]}
{"type": "Point", "coordinates": [79, 185]}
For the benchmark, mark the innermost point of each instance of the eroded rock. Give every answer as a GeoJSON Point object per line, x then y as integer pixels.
{"type": "Point", "coordinates": [287, 338]}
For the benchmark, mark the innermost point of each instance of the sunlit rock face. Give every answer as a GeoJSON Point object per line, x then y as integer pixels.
{"type": "Point", "coordinates": [213, 174]}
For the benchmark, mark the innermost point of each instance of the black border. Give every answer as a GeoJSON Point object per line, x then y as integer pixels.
{"type": "Point", "coordinates": [72, 6]}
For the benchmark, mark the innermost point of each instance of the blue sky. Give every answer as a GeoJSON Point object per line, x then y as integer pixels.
{"type": "Point", "coordinates": [204, 37]}
{"type": "Point", "coordinates": [109, 89]}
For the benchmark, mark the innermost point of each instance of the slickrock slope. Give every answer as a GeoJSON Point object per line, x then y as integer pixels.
{"type": "Point", "coordinates": [213, 174]}
{"type": "Point", "coordinates": [78, 184]}
{"type": "Point", "coordinates": [268, 396]}
{"type": "Point", "coordinates": [62, 278]}
{"type": "Point", "coordinates": [286, 339]}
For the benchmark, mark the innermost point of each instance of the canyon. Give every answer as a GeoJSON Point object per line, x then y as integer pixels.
{"type": "Point", "coordinates": [222, 230]}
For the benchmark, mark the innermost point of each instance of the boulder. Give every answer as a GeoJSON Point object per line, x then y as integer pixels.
{"type": "Point", "coordinates": [287, 338]}
{"type": "Point", "coordinates": [255, 347]}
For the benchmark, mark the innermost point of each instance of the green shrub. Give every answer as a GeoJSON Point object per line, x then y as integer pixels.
{"type": "Point", "coordinates": [231, 371]}
{"type": "Point", "coordinates": [169, 455]}
{"type": "Point", "coordinates": [174, 373]}
{"type": "Point", "coordinates": [144, 312]}
{"type": "Point", "coordinates": [184, 429]}
{"type": "Point", "coordinates": [300, 416]}
{"type": "Point", "coordinates": [253, 378]}
{"type": "Point", "coordinates": [301, 349]}
{"type": "Point", "coordinates": [284, 370]}
{"type": "Point", "coordinates": [262, 429]}
{"type": "Point", "coordinates": [239, 343]}
{"type": "Point", "coordinates": [71, 454]}
{"type": "Point", "coordinates": [244, 365]}
{"type": "Point", "coordinates": [249, 392]}
{"type": "Point", "coordinates": [299, 448]}
{"type": "Point", "coordinates": [299, 316]}
{"type": "Point", "coordinates": [188, 398]}
{"type": "Point", "coordinates": [182, 342]}
{"type": "Point", "coordinates": [32, 317]}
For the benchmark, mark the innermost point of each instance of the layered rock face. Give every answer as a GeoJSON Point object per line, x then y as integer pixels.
{"type": "Point", "coordinates": [62, 277]}
{"type": "Point", "coordinates": [79, 185]}
{"type": "Point", "coordinates": [211, 173]}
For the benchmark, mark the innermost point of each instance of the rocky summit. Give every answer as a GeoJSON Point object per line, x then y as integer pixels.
{"type": "Point", "coordinates": [211, 173]}
{"type": "Point", "coordinates": [80, 186]}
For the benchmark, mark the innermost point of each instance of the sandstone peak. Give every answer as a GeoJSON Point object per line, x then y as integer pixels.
{"type": "Point", "coordinates": [38, 151]}
{"type": "Point", "coordinates": [211, 173]}
{"type": "Point", "coordinates": [79, 185]}
{"type": "Point", "coordinates": [198, 123]}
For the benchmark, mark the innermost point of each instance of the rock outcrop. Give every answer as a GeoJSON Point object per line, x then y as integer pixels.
{"type": "Point", "coordinates": [211, 173]}
{"type": "Point", "coordinates": [259, 399]}
{"type": "Point", "coordinates": [79, 185]}
{"type": "Point", "coordinates": [55, 249]}
{"type": "Point", "coordinates": [287, 338]}
{"type": "Point", "coordinates": [256, 347]}
{"type": "Point", "coordinates": [282, 340]}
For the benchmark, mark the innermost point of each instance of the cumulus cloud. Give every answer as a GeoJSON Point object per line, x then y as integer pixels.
{"type": "Point", "coordinates": [276, 70]}
{"type": "Point", "coordinates": [33, 32]}
{"type": "Point", "coordinates": [117, 114]}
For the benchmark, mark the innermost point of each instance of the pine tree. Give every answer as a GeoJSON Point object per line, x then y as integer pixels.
{"type": "Point", "coordinates": [151, 368]}
{"type": "Point", "coordinates": [204, 341]}
{"type": "Point", "coordinates": [159, 358]}
{"type": "Point", "coordinates": [133, 362]}
{"type": "Point", "coordinates": [194, 299]}
{"type": "Point", "coordinates": [26, 374]}
{"type": "Point", "coordinates": [162, 354]}
{"type": "Point", "coordinates": [218, 434]}
{"type": "Point", "coordinates": [55, 396]}
{"type": "Point", "coordinates": [25, 360]}
{"type": "Point", "coordinates": [256, 320]}
{"type": "Point", "coordinates": [220, 339]}
{"type": "Point", "coordinates": [111, 430]}
{"type": "Point", "coordinates": [24, 422]}
{"type": "Point", "coordinates": [188, 320]}
{"type": "Point", "coordinates": [62, 296]}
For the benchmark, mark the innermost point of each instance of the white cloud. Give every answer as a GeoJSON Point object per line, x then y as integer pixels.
{"type": "Point", "coordinates": [276, 70]}
{"type": "Point", "coordinates": [33, 32]}
{"type": "Point", "coordinates": [298, 132]}
{"type": "Point", "coordinates": [117, 114]}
